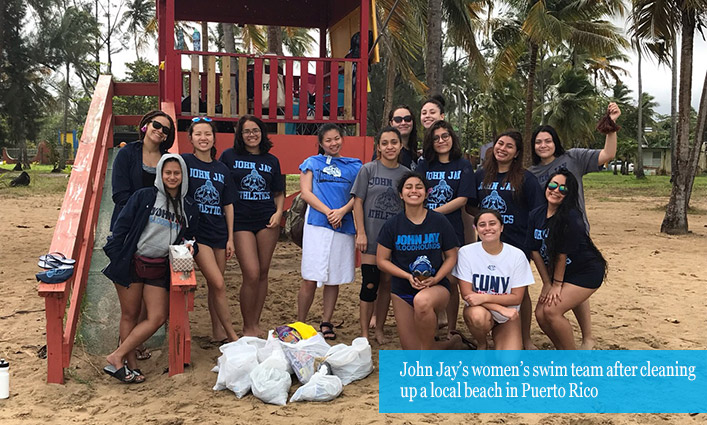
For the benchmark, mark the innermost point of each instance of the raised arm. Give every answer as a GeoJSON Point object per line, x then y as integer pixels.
{"type": "Point", "coordinates": [609, 151]}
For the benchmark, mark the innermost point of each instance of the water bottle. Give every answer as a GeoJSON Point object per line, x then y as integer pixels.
{"type": "Point", "coordinates": [4, 379]}
{"type": "Point", "coordinates": [197, 40]}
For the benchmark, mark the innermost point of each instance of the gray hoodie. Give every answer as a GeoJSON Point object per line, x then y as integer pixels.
{"type": "Point", "coordinates": [163, 225]}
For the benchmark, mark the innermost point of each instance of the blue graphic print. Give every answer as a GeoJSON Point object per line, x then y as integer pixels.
{"type": "Point", "coordinates": [494, 202]}
{"type": "Point", "coordinates": [422, 267]}
{"type": "Point", "coordinates": [439, 195]}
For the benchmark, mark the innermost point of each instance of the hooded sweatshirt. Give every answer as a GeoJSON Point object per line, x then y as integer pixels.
{"type": "Point", "coordinates": [166, 216]}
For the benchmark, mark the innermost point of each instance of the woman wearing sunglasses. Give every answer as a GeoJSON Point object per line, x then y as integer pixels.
{"type": "Point", "coordinates": [570, 265]}
{"type": "Point", "coordinates": [374, 203]}
{"type": "Point", "coordinates": [505, 186]}
{"type": "Point", "coordinates": [402, 119]}
{"type": "Point", "coordinates": [548, 157]}
{"type": "Point", "coordinates": [452, 183]}
{"type": "Point", "coordinates": [135, 167]}
{"type": "Point", "coordinates": [259, 202]}
{"type": "Point", "coordinates": [209, 185]}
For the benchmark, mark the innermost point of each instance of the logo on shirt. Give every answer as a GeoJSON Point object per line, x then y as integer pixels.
{"type": "Point", "coordinates": [253, 182]}
{"type": "Point", "coordinates": [494, 202]}
{"type": "Point", "coordinates": [388, 201]}
{"type": "Point", "coordinates": [440, 194]}
{"type": "Point", "coordinates": [422, 267]}
{"type": "Point", "coordinates": [332, 170]}
{"type": "Point", "coordinates": [208, 199]}
{"type": "Point", "coordinates": [491, 267]}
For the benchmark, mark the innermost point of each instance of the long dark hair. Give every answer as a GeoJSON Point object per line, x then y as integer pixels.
{"type": "Point", "coordinates": [515, 174]}
{"type": "Point", "coordinates": [409, 175]}
{"type": "Point", "coordinates": [428, 145]}
{"type": "Point", "coordinates": [558, 224]}
{"type": "Point", "coordinates": [176, 202]}
{"type": "Point", "coordinates": [323, 130]}
{"type": "Point", "coordinates": [147, 119]}
{"type": "Point", "coordinates": [412, 139]}
{"type": "Point", "coordinates": [239, 142]}
{"type": "Point", "coordinates": [190, 131]}
{"type": "Point", "coordinates": [377, 139]}
{"type": "Point", "coordinates": [559, 150]}
{"type": "Point", "coordinates": [436, 99]}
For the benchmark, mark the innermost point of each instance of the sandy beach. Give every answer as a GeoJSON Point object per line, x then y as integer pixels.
{"type": "Point", "coordinates": [655, 298]}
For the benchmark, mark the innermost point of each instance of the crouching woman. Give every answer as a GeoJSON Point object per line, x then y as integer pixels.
{"type": "Point", "coordinates": [154, 218]}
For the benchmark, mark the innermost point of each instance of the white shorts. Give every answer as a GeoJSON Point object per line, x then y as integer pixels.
{"type": "Point", "coordinates": [328, 257]}
{"type": "Point", "coordinates": [497, 317]}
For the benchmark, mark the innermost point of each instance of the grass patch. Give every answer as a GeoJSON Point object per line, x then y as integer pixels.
{"type": "Point", "coordinates": [42, 181]}
{"type": "Point", "coordinates": [607, 184]}
{"type": "Point", "coordinates": [291, 183]}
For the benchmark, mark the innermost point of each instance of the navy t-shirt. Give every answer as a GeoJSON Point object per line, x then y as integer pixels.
{"type": "Point", "coordinates": [412, 244]}
{"type": "Point", "coordinates": [256, 179]}
{"type": "Point", "coordinates": [210, 186]}
{"type": "Point", "coordinates": [514, 210]}
{"type": "Point", "coordinates": [449, 181]}
{"type": "Point", "coordinates": [580, 256]}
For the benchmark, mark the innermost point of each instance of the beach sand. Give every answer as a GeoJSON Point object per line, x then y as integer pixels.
{"type": "Point", "coordinates": [655, 298]}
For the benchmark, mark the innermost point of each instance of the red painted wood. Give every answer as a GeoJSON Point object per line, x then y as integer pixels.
{"type": "Point", "coordinates": [272, 107]}
{"type": "Point", "coordinates": [334, 91]}
{"type": "Point", "coordinates": [54, 312]}
{"type": "Point", "coordinates": [303, 90]}
{"type": "Point", "coordinates": [135, 89]}
{"type": "Point", "coordinates": [289, 89]}
{"type": "Point", "coordinates": [258, 87]}
{"type": "Point", "coordinates": [319, 90]}
{"type": "Point", "coordinates": [127, 119]}
{"type": "Point", "coordinates": [182, 285]}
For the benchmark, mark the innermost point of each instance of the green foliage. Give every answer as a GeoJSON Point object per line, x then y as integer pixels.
{"type": "Point", "coordinates": [139, 71]}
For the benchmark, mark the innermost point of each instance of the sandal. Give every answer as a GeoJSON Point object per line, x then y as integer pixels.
{"type": "Point", "coordinates": [329, 333]}
{"type": "Point", "coordinates": [464, 339]}
{"type": "Point", "coordinates": [123, 374]}
{"type": "Point", "coordinates": [142, 353]}
{"type": "Point", "coordinates": [138, 377]}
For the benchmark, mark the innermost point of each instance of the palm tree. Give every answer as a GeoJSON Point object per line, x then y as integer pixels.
{"type": "Point", "coordinates": [554, 23]}
{"type": "Point", "coordinates": [573, 106]}
{"type": "Point", "coordinates": [138, 16]}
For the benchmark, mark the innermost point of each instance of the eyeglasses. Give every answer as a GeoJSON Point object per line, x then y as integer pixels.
{"type": "Point", "coordinates": [406, 118]}
{"type": "Point", "coordinates": [199, 119]}
{"type": "Point", "coordinates": [445, 137]}
{"type": "Point", "coordinates": [159, 126]}
{"type": "Point", "coordinates": [253, 132]}
{"type": "Point", "coordinates": [561, 187]}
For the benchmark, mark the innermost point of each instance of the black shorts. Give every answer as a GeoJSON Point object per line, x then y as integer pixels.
{"type": "Point", "coordinates": [590, 278]}
{"type": "Point", "coordinates": [251, 226]}
{"type": "Point", "coordinates": [407, 294]}
{"type": "Point", "coordinates": [162, 282]}
{"type": "Point", "coordinates": [212, 240]}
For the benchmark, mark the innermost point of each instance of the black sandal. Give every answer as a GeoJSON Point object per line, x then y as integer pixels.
{"type": "Point", "coordinates": [328, 334]}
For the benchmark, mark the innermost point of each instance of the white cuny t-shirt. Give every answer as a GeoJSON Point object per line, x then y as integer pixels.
{"type": "Point", "coordinates": [493, 274]}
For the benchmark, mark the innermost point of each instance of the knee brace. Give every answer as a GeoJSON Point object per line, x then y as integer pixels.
{"type": "Point", "coordinates": [370, 280]}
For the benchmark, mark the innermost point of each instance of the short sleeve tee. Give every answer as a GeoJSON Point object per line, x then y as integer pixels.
{"type": "Point", "coordinates": [255, 180]}
{"type": "Point", "coordinates": [417, 245]}
{"type": "Point", "coordinates": [210, 186]}
{"type": "Point", "coordinates": [376, 185]}
{"type": "Point", "coordinates": [576, 244]}
{"type": "Point", "coordinates": [578, 161]}
{"type": "Point", "coordinates": [448, 181]}
{"type": "Point", "coordinates": [493, 274]}
{"type": "Point", "coordinates": [332, 180]}
{"type": "Point", "coordinates": [514, 210]}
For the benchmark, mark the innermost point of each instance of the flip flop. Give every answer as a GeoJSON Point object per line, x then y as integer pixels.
{"type": "Point", "coordinates": [58, 257]}
{"type": "Point", "coordinates": [329, 334]}
{"type": "Point", "coordinates": [56, 275]}
{"type": "Point", "coordinates": [123, 374]}
{"type": "Point", "coordinates": [465, 340]}
{"type": "Point", "coordinates": [139, 378]}
{"type": "Point", "coordinates": [142, 354]}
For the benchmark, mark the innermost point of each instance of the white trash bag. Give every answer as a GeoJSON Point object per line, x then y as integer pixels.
{"type": "Point", "coordinates": [270, 381]}
{"type": "Point", "coordinates": [321, 387]}
{"type": "Point", "coordinates": [351, 363]}
{"type": "Point", "coordinates": [234, 367]}
{"type": "Point", "coordinates": [301, 356]}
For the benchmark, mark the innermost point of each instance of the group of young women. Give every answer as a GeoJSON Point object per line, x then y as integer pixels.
{"type": "Point", "coordinates": [402, 211]}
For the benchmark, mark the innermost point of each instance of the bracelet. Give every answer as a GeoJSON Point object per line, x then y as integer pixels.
{"type": "Point", "coordinates": [558, 280]}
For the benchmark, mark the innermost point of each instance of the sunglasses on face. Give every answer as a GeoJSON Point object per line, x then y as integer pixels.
{"type": "Point", "coordinates": [561, 187]}
{"type": "Point", "coordinates": [200, 119]}
{"type": "Point", "coordinates": [444, 137]}
{"type": "Point", "coordinates": [253, 132]}
{"type": "Point", "coordinates": [406, 118]}
{"type": "Point", "coordinates": [159, 126]}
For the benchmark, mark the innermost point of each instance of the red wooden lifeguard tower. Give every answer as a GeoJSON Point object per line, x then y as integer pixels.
{"type": "Point", "coordinates": [305, 92]}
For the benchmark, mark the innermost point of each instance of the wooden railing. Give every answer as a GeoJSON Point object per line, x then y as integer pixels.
{"type": "Point", "coordinates": [75, 229]}
{"type": "Point", "coordinates": [280, 97]}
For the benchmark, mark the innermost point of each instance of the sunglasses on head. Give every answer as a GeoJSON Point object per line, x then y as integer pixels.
{"type": "Point", "coordinates": [406, 118]}
{"type": "Point", "coordinates": [561, 187]}
{"type": "Point", "coordinates": [159, 126]}
{"type": "Point", "coordinates": [200, 119]}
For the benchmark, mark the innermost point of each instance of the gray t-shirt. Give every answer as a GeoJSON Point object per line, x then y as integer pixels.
{"type": "Point", "coordinates": [377, 185]}
{"type": "Point", "coordinates": [161, 230]}
{"type": "Point", "coordinates": [578, 161]}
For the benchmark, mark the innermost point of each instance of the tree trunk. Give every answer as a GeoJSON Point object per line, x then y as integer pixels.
{"type": "Point", "coordinates": [205, 44]}
{"type": "Point", "coordinates": [229, 45]}
{"type": "Point", "coordinates": [639, 135]}
{"type": "Point", "coordinates": [108, 36]}
{"type": "Point", "coordinates": [697, 144]}
{"type": "Point", "coordinates": [62, 158]}
{"type": "Point", "coordinates": [433, 49]}
{"type": "Point", "coordinates": [529, 97]}
{"type": "Point", "coordinates": [275, 40]}
{"type": "Point", "coordinates": [674, 109]}
{"type": "Point", "coordinates": [675, 220]}
{"type": "Point", "coordinates": [541, 84]}
{"type": "Point", "coordinates": [390, 74]}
